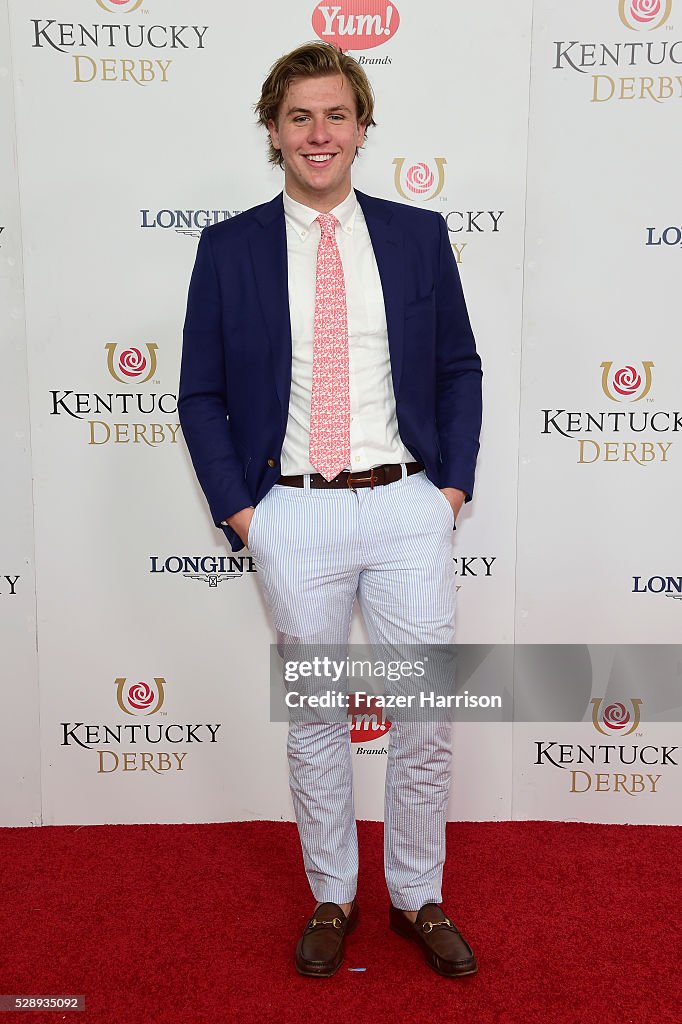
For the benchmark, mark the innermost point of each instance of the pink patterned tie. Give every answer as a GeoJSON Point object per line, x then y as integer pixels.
{"type": "Point", "coordinates": [330, 399]}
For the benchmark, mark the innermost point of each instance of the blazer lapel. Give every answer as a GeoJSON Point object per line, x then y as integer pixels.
{"type": "Point", "coordinates": [269, 255]}
{"type": "Point", "coordinates": [387, 242]}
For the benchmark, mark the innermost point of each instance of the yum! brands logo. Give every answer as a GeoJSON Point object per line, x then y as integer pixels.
{"type": "Point", "coordinates": [131, 365]}
{"type": "Point", "coordinates": [356, 24]}
{"type": "Point", "coordinates": [644, 15]}
{"type": "Point", "coordinates": [365, 724]}
{"type": "Point", "coordinates": [419, 181]}
{"type": "Point", "coordinates": [615, 719]}
{"type": "Point", "coordinates": [140, 698]}
{"type": "Point", "coordinates": [626, 384]}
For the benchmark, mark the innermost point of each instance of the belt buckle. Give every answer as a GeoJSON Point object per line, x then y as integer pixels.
{"type": "Point", "coordinates": [371, 478]}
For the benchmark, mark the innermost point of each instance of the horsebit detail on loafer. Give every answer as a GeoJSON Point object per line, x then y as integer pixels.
{"type": "Point", "coordinates": [335, 922]}
{"type": "Point", "coordinates": [428, 926]}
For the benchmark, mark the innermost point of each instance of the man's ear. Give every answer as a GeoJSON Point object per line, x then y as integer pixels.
{"type": "Point", "coordinates": [274, 134]}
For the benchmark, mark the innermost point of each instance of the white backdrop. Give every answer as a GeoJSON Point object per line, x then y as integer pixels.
{"type": "Point", "coordinates": [134, 127]}
{"type": "Point", "coordinates": [20, 756]}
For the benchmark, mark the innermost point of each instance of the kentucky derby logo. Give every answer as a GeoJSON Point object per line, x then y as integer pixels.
{"type": "Point", "coordinates": [140, 698]}
{"type": "Point", "coordinates": [350, 26]}
{"type": "Point", "coordinates": [644, 15]}
{"type": "Point", "coordinates": [131, 365]}
{"type": "Point", "coordinates": [615, 719]}
{"type": "Point", "coordinates": [627, 383]}
{"type": "Point", "coordinates": [419, 180]}
{"type": "Point", "coordinates": [124, 6]}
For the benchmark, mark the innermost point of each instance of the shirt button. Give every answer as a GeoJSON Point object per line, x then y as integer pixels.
{"type": "Point", "coordinates": [357, 458]}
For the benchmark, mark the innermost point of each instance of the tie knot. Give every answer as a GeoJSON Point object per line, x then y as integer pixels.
{"type": "Point", "coordinates": [328, 224]}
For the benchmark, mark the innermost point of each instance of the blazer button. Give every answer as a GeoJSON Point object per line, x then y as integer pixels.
{"type": "Point", "coordinates": [272, 463]}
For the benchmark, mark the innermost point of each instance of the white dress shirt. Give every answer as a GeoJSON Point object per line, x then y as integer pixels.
{"type": "Point", "coordinates": [374, 437]}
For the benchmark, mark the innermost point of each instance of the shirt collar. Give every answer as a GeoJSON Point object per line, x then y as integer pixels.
{"type": "Point", "coordinates": [301, 218]}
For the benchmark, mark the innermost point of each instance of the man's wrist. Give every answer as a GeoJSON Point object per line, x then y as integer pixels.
{"type": "Point", "coordinates": [226, 522]}
{"type": "Point", "coordinates": [458, 491]}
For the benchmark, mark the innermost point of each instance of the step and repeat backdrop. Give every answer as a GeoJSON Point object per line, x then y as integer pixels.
{"type": "Point", "coordinates": [135, 644]}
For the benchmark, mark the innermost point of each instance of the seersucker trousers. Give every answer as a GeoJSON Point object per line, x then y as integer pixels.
{"type": "Point", "coordinates": [391, 546]}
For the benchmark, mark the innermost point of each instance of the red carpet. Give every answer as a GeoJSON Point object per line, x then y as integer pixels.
{"type": "Point", "coordinates": [176, 924]}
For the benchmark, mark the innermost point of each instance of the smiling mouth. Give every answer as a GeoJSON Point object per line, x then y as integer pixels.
{"type": "Point", "coordinates": [319, 158]}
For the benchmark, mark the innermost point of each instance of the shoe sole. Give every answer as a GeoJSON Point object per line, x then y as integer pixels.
{"type": "Point", "coordinates": [444, 974]}
{"type": "Point", "coordinates": [312, 972]}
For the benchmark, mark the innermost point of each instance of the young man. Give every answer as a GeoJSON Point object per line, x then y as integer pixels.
{"type": "Point", "coordinates": [330, 397]}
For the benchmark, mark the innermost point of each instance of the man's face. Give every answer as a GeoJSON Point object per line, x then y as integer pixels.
{"type": "Point", "coordinates": [318, 133]}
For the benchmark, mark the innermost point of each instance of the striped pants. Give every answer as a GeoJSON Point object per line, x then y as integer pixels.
{"type": "Point", "coordinates": [391, 546]}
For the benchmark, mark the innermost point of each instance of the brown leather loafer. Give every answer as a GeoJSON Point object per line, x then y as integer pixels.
{"type": "Point", "coordinates": [319, 952]}
{"type": "Point", "coordinates": [444, 949]}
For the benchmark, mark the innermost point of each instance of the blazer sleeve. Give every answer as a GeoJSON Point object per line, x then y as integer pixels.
{"type": "Point", "coordinates": [458, 376]}
{"type": "Point", "coordinates": [203, 395]}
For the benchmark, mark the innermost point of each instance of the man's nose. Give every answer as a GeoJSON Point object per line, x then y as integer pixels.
{"type": "Point", "coordinates": [319, 130]}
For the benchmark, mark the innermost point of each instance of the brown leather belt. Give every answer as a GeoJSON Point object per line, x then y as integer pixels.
{"type": "Point", "coordinates": [387, 474]}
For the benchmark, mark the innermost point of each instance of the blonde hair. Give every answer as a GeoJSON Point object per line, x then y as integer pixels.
{"type": "Point", "coordinates": [308, 61]}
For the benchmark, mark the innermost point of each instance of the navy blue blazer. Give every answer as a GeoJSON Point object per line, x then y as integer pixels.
{"type": "Point", "coordinates": [236, 358]}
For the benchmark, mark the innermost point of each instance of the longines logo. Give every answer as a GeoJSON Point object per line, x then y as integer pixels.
{"type": "Point", "coordinates": [615, 718]}
{"type": "Point", "coordinates": [210, 569]}
{"type": "Point", "coordinates": [356, 24]}
{"type": "Point", "coordinates": [138, 699]}
{"type": "Point", "coordinates": [419, 181]}
{"type": "Point", "coordinates": [8, 586]}
{"type": "Point", "coordinates": [122, 61]}
{"type": "Point", "coordinates": [615, 761]}
{"type": "Point", "coordinates": [642, 17]}
{"type": "Point", "coordinates": [669, 586]}
{"type": "Point", "coordinates": [184, 222]}
{"type": "Point", "coordinates": [671, 235]}
{"type": "Point", "coordinates": [127, 365]}
{"type": "Point", "coordinates": [629, 383]}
